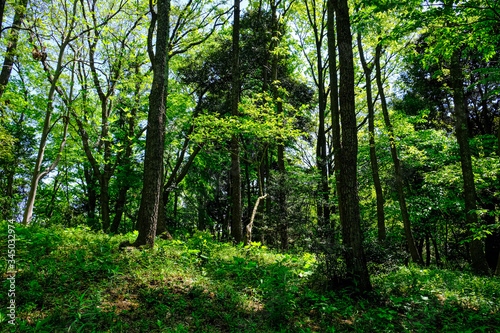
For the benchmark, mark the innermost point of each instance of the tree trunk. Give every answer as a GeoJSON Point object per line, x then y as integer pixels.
{"type": "Point", "coordinates": [348, 180]}
{"type": "Point", "coordinates": [371, 133]}
{"type": "Point", "coordinates": [281, 216]}
{"type": "Point", "coordinates": [155, 136]}
{"type": "Point", "coordinates": [397, 167]}
{"type": "Point", "coordinates": [436, 251]}
{"type": "Point", "coordinates": [248, 235]}
{"type": "Point", "coordinates": [47, 128]}
{"type": "Point", "coordinates": [2, 9]}
{"type": "Point", "coordinates": [126, 162]}
{"type": "Point", "coordinates": [334, 95]}
{"type": "Point", "coordinates": [461, 131]}
{"type": "Point", "coordinates": [427, 250]}
{"type": "Point", "coordinates": [236, 225]}
{"type": "Point", "coordinates": [10, 53]}
{"type": "Point", "coordinates": [38, 175]}
{"type": "Point", "coordinates": [497, 271]}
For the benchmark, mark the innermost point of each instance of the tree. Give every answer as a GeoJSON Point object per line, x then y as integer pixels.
{"type": "Point", "coordinates": [347, 175]}
{"type": "Point", "coordinates": [236, 224]}
{"type": "Point", "coordinates": [368, 69]}
{"type": "Point", "coordinates": [10, 53]}
{"type": "Point", "coordinates": [155, 135]}
{"type": "Point", "coordinates": [53, 75]}
{"type": "Point", "coordinates": [316, 13]}
{"type": "Point", "coordinates": [395, 159]}
{"type": "Point", "coordinates": [109, 48]}
{"type": "Point", "coordinates": [461, 131]}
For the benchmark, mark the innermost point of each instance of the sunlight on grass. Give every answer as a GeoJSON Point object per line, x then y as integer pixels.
{"type": "Point", "coordinates": [77, 280]}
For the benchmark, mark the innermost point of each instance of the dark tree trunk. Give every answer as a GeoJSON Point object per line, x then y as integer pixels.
{"type": "Point", "coordinates": [104, 198]}
{"type": "Point", "coordinates": [367, 69]}
{"type": "Point", "coordinates": [323, 207]}
{"type": "Point", "coordinates": [397, 167]}
{"type": "Point", "coordinates": [91, 194]}
{"type": "Point", "coordinates": [348, 190]}
{"type": "Point", "coordinates": [10, 53]}
{"type": "Point", "coordinates": [461, 131]}
{"type": "Point", "coordinates": [236, 224]}
{"type": "Point", "coordinates": [126, 162]}
{"type": "Point", "coordinates": [497, 271]}
{"type": "Point", "coordinates": [436, 251]}
{"type": "Point", "coordinates": [155, 136]}
{"type": "Point", "coordinates": [420, 247]}
{"type": "Point", "coordinates": [427, 250]}
{"type": "Point", "coordinates": [248, 187]}
{"type": "Point", "coordinates": [334, 95]}
{"type": "Point", "coordinates": [492, 241]}
{"type": "Point", "coordinates": [282, 209]}
{"type": "Point", "coordinates": [2, 9]}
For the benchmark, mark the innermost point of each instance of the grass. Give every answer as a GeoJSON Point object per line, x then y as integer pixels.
{"type": "Point", "coordinates": [75, 280]}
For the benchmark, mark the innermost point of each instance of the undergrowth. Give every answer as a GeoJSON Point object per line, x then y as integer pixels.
{"type": "Point", "coordinates": [76, 280]}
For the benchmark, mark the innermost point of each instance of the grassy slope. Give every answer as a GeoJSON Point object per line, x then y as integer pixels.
{"type": "Point", "coordinates": [75, 280]}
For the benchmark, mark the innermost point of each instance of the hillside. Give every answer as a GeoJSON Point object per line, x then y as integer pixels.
{"type": "Point", "coordinates": [76, 280]}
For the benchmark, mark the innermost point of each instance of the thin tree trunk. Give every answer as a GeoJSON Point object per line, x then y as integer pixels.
{"type": "Point", "coordinates": [461, 131]}
{"type": "Point", "coordinates": [126, 162]}
{"type": "Point", "coordinates": [348, 180]}
{"type": "Point", "coordinates": [397, 167]}
{"type": "Point", "coordinates": [91, 193]}
{"type": "Point", "coordinates": [497, 271]}
{"type": "Point", "coordinates": [248, 235]}
{"type": "Point", "coordinates": [334, 95]}
{"type": "Point", "coordinates": [427, 250]}
{"type": "Point", "coordinates": [38, 175]}
{"type": "Point", "coordinates": [282, 209]}
{"type": "Point", "coordinates": [247, 185]}
{"type": "Point", "coordinates": [323, 210]}
{"type": "Point", "coordinates": [236, 225]}
{"type": "Point", "coordinates": [367, 69]}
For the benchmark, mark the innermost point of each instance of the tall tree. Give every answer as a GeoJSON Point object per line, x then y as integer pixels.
{"type": "Point", "coordinates": [368, 69]}
{"type": "Point", "coordinates": [71, 33]}
{"type": "Point", "coordinates": [236, 224]}
{"type": "Point", "coordinates": [116, 61]}
{"type": "Point", "coordinates": [347, 180]}
{"type": "Point", "coordinates": [395, 159]}
{"type": "Point", "coordinates": [155, 135]}
{"type": "Point", "coordinates": [316, 12]}
{"type": "Point", "coordinates": [461, 131]}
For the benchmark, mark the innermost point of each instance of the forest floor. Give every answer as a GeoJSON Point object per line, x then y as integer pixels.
{"type": "Point", "coordinates": [76, 280]}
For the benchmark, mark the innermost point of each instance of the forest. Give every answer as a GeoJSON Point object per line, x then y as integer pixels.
{"type": "Point", "coordinates": [253, 166]}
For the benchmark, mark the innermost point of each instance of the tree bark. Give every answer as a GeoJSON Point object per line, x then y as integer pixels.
{"type": "Point", "coordinates": [126, 161]}
{"type": "Point", "coordinates": [334, 96]}
{"type": "Point", "coordinates": [348, 180]}
{"type": "Point", "coordinates": [281, 197]}
{"type": "Point", "coordinates": [367, 69]}
{"type": "Point", "coordinates": [323, 210]}
{"type": "Point", "coordinates": [478, 257]}
{"type": "Point", "coordinates": [38, 175]}
{"type": "Point", "coordinates": [395, 159]}
{"type": "Point", "coordinates": [155, 136]}
{"type": "Point", "coordinates": [248, 235]}
{"type": "Point", "coordinates": [10, 53]}
{"type": "Point", "coordinates": [236, 224]}
{"type": "Point", "coordinates": [497, 271]}
{"type": "Point", "coordinates": [2, 9]}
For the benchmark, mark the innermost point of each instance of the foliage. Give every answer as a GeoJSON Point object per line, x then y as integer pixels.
{"type": "Point", "coordinates": [73, 279]}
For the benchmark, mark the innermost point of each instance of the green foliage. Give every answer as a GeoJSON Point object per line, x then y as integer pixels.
{"type": "Point", "coordinates": [75, 280]}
